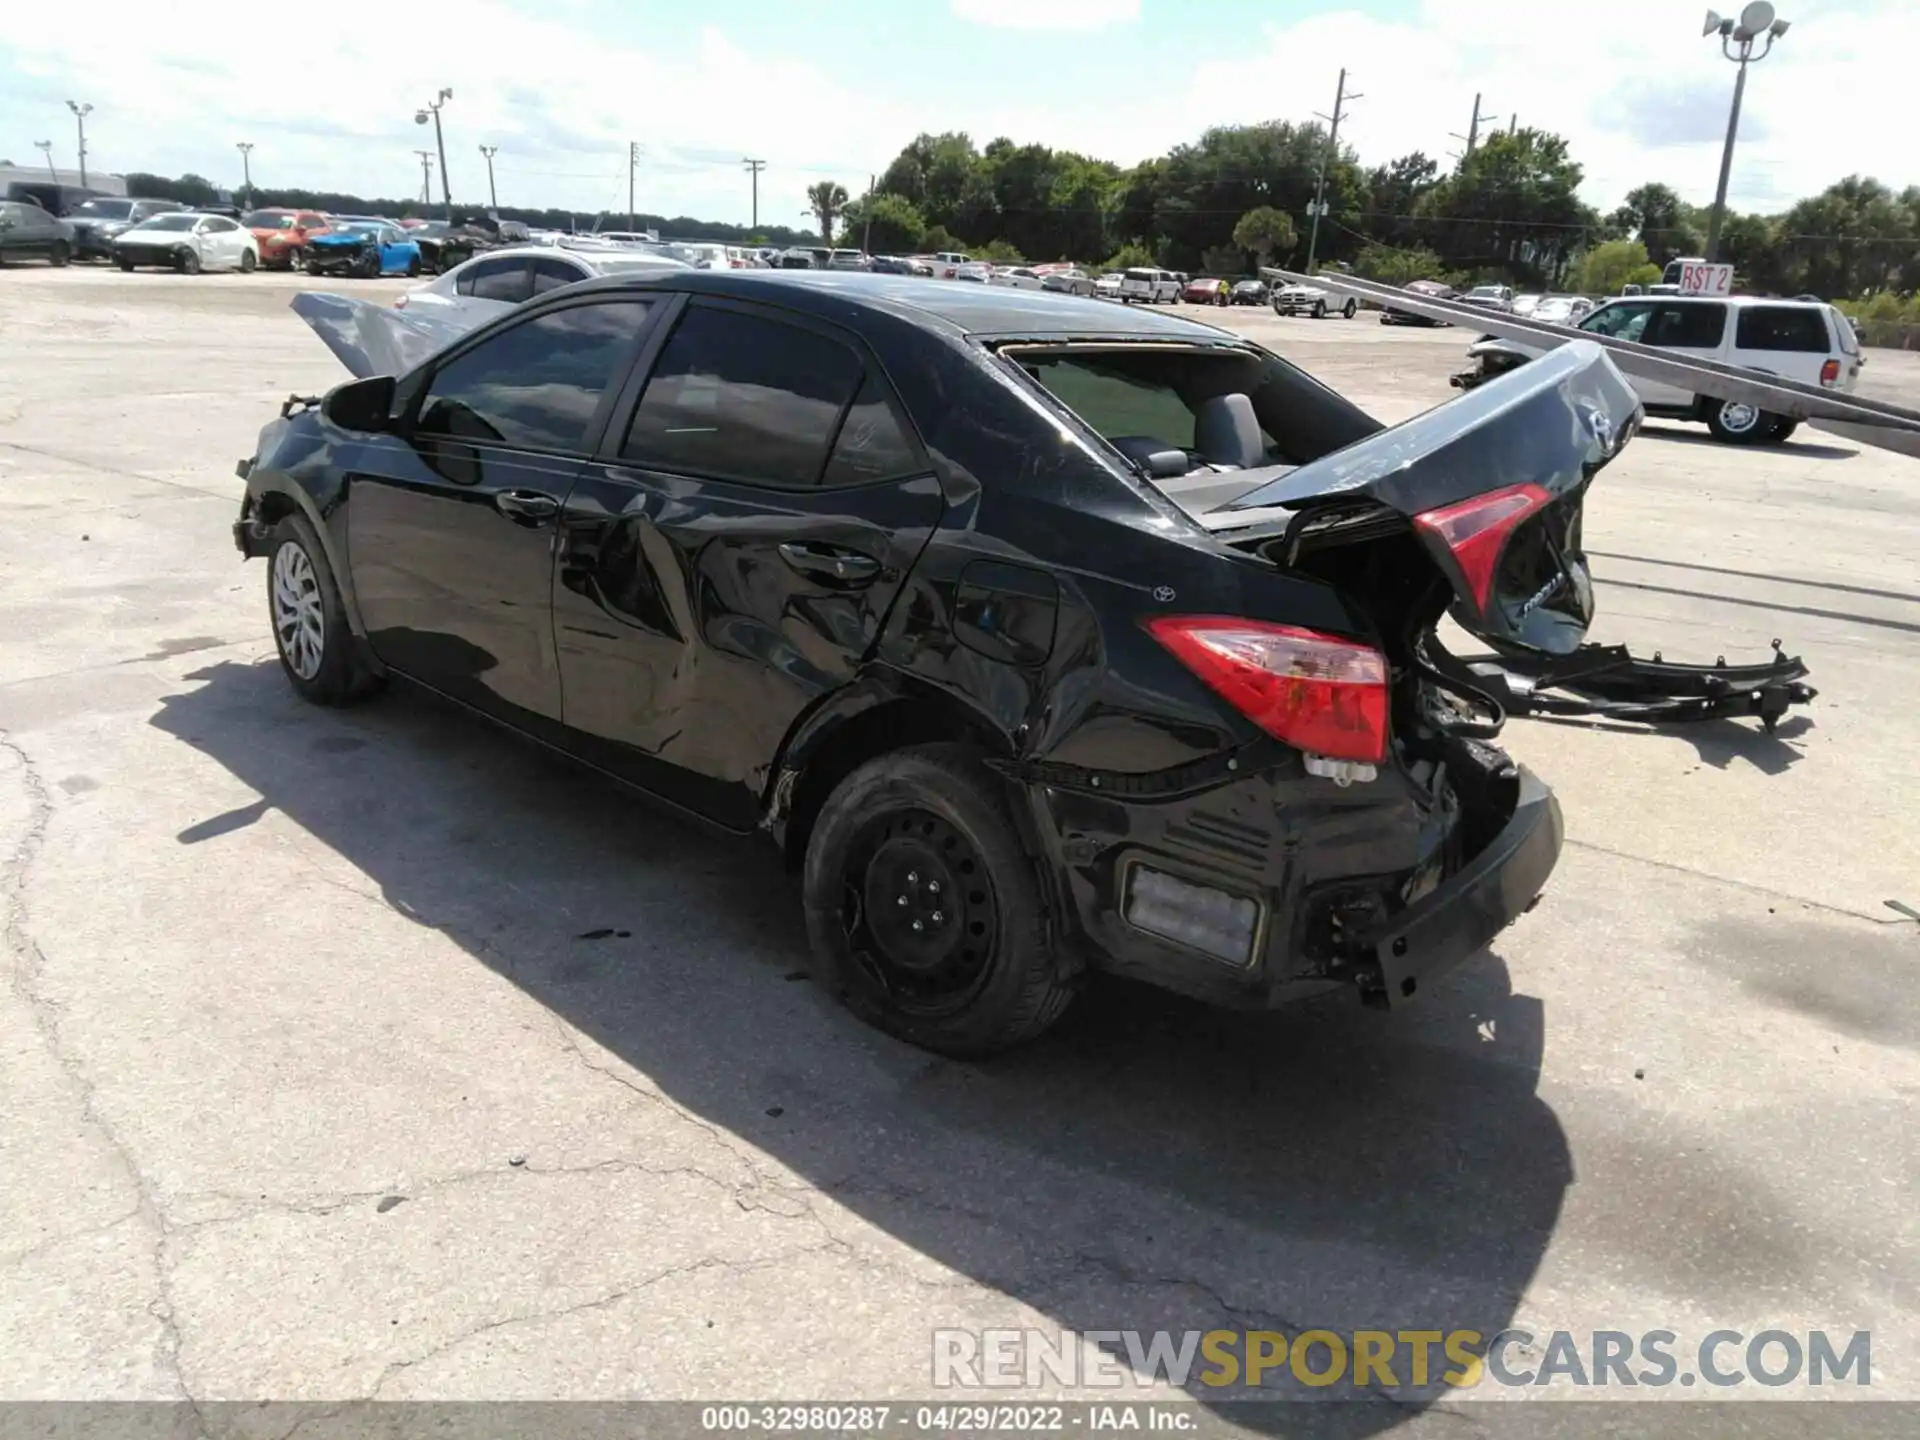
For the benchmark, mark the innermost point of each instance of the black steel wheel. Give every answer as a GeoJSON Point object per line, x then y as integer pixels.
{"type": "Point", "coordinates": [923, 906]}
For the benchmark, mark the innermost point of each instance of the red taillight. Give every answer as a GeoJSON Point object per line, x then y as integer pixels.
{"type": "Point", "coordinates": [1476, 531]}
{"type": "Point", "coordinates": [1829, 372]}
{"type": "Point", "coordinates": [1316, 692]}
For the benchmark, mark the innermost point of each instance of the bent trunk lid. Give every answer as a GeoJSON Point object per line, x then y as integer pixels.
{"type": "Point", "coordinates": [1550, 424]}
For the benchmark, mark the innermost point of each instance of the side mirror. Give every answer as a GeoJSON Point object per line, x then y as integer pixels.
{"type": "Point", "coordinates": [363, 405]}
{"type": "Point", "coordinates": [1167, 464]}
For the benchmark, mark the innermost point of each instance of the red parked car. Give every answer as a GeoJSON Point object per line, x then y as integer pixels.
{"type": "Point", "coordinates": [1206, 292]}
{"type": "Point", "coordinates": [283, 235]}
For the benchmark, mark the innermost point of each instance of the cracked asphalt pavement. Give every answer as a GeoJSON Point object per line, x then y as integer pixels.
{"type": "Point", "coordinates": [374, 1054]}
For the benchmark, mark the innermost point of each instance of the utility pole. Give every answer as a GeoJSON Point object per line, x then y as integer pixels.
{"type": "Point", "coordinates": [1340, 99]}
{"type": "Point", "coordinates": [1472, 137]}
{"type": "Point", "coordinates": [633, 165]}
{"type": "Point", "coordinates": [493, 198]}
{"type": "Point", "coordinates": [432, 108]}
{"type": "Point", "coordinates": [866, 235]}
{"type": "Point", "coordinates": [46, 146]}
{"type": "Point", "coordinates": [245, 147]}
{"type": "Point", "coordinates": [80, 113]}
{"type": "Point", "coordinates": [426, 176]}
{"type": "Point", "coordinates": [754, 167]}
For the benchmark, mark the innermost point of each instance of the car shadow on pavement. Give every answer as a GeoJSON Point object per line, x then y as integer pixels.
{"type": "Point", "coordinates": [1151, 1165]}
{"type": "Point", "coordinates": [1719, 743]}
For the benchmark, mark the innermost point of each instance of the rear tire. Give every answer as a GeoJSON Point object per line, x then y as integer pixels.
{"type": "Point", "coordinates": [413, 268]}
{"type": "Point", "coordinates": [318, 651]}
{"type": "Point", "coordinates": [58, 254]}
{"type": "Point", "coordinates": [959, 960]}
{"type": "Point", "coordinates": [1734, 424]}
{"type": "Point", "coordinates": [247, 262]}
{"type": "Point", "coordinates": [1783, 431]}
{"type": "Point", "coordinates": [1319, 309]}
{"type": "Point", "coordinates": [126, 265]}
{"type": "Point", "coordinates": [187, 262]}
{"type": "Point", "coordinates": [1347, 310]}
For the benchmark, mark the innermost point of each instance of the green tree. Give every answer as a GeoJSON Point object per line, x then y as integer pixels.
{"type": "Point", "coordinates": [827, 198]}
{"type": "Point", "coordinates": [998, 252]}
{"type": "Point", "coordinates": [937, 238]}
{"type": "Point", "coordinates": [1656, 216]}
{"type": "Point", "coordinates": [1608, 266]}
{"type": "Point", "coordinates": [1512, 209]}
{"type": "Point", "coordinates": [1397, 267]}
{"type": "Point", "coordinates": [888, 224]}
{"type": "Point", "coordinates": [1129, 257]}
{"type": "Point", "coordinates": [1266, 232]}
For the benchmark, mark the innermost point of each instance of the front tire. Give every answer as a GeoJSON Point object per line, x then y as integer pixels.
{"type": "Point", "coordinates": [126, 265]}
{"type": "Point", "coordinates": [924, 909]}
{"type": "Point", "coordinates": [1347, 310]}
{"type": "Point", "coordinates": [1319, 309]}
{"type": "Point", "coordinates": [317, 648]}
{"type": "Point", "coordinates": [58, 254]}
{"type": "Point", "coordinates": [187, 262]}
{"type": "Point", "coordinates": [1732, 423]}
{"type": "Point", "coordinates": [247, 262]}
{"type": "Point", "coordinates": [413, 268]}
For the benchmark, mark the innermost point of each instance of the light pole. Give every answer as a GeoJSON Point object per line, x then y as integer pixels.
{"type": "Point", "coordinates": [432, 107]}
{"type": "Point", "coordinates": [80, 113]}
{"type": "Point", "coordinates": [46, 147]}
{"type": "Point", "coordinates": [1756, 22]}
{"type": "Point", "coordinates": [245, 147]}
{"type": "Point", "coordinates": [493, 198]}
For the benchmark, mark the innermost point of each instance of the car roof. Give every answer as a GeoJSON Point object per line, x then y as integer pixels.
{"type": "Point", "coordinates": [1734, 300]}
{"type": "Point", "coordinates": [970, 309]}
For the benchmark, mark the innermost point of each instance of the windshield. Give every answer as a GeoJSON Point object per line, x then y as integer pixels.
{"type": "Point", "coordinates": [269, 220]}
{"type": "Point", "coordinates": [1552, 309]}
{"type": "Point", "coordinates": [169, 222]}
{"type": "Point", "coordinates": [106, 209]}
{"type": "Point", "coordinates": [1490, 291]}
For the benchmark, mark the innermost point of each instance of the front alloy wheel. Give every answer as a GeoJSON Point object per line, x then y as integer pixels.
{"type": "Point", "coordinates": [299, 617]}
{"type": "Point", "coordinates": [1737, 424]}
{"type": "Point", "coordinates": [318, 651]}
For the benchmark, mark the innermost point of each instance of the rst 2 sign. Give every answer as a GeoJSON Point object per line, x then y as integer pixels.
{"type": "Point", "coordinates": [1703, 279]}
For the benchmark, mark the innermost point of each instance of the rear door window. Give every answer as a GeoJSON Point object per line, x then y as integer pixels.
{"type": "Point", "coordinates": [506, 280]}
{"type": "Point", "coordinates": [744, 397]}
{"type": "Point", "coordinates": [1783, 327]}
{"type": "Point", "coordinates": [1687, 327]}
{"type": "Point", "coordinates": [550, 272]}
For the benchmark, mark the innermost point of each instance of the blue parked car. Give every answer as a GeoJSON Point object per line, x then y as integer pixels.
{"type": "Point", "coordinates": [367, 248]}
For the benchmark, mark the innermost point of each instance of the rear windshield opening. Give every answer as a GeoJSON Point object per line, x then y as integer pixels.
{"type": "Point", "coordinates": [1217, 409]}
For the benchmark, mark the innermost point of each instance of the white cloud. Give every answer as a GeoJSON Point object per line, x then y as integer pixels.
{"type": "Point", "coordinates": [1048, 14]}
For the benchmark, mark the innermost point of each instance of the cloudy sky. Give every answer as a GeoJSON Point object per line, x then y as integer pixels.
{"type": "Point", "coordinates": [833, 88]}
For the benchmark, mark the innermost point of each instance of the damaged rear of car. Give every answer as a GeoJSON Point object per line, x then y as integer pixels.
{"type": "Point", "coordinates": [1079, 638]}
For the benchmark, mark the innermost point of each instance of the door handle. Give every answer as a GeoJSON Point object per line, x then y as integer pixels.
{"type": "Point", "coordinates": [830, 562]}
{"type": "Point", "coordinates": [527, 505]}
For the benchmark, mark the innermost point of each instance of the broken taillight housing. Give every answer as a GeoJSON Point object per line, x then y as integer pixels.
{"type": "Point", "coordinates": [1318, 693]}
{"type": "Point", "coordinates": [1476, 531]}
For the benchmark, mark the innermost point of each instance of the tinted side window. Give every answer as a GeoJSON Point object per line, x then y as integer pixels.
{"type": "Point", "coordinates": [550, 273]}
{"type": "Point", "coordinates": [1622, 322]}
{"type": "Point", "coordinates": [505, 280]}
{"type": "Point", "coordinates": [871, 445]}
{"type": "Point", "coordinates": [1693, 326]}
{"type": "Point", "coordinates": [739, 397]}
{"type": "Point", "coordinates": [1781, 327]}
{"type": "Point", "coordinates": [536, 385]}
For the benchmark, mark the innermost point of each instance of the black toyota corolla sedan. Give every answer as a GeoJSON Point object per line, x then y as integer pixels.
{"type": "Point", "coordinates": [1045, 636]}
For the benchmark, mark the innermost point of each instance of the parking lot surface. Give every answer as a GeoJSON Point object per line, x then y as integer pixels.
{"type": "Point", "coordinates": [374, 1053]}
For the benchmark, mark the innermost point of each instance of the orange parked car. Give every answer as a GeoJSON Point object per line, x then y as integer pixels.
{"type": "Point", "coordinates": [283, 235]}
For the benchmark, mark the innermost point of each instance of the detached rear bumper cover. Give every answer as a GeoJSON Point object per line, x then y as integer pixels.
{"type": "Point", "coordinates": [1489, 893]}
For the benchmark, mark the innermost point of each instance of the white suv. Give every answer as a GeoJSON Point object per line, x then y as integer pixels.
{"type": "Point", "coordinates": [1804, 340]}
{"type": "Point", "coordinates": [1149, 285]}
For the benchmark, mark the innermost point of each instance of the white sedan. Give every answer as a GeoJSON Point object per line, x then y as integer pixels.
{"type": "Point", "coordinates": [495, 281]}
{"type": "Point", "coordinates": [188, 242]}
